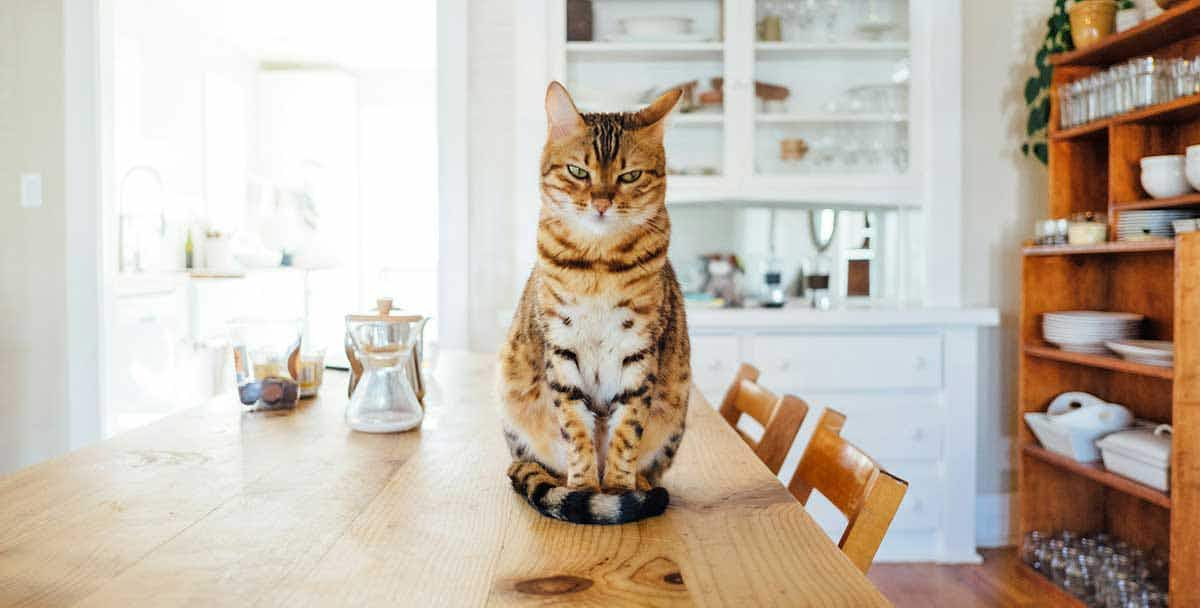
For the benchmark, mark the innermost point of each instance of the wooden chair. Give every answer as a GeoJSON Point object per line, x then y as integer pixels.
{"type": "Point", "coordinates": [780, 417]}
{"type": "Point", "coordinates": [865, 493]}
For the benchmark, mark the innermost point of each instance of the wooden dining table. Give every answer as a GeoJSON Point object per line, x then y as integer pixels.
{"type": "Point", "coordinates": [213, 506]}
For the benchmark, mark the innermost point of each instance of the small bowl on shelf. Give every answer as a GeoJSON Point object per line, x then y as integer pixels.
{"type": "Point", "coordinates": [1192, 166]}
{"type": "Point", "coordinates": [1163, 176]}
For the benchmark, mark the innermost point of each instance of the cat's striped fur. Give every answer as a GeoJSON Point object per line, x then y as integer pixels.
{"type": "Point", "coordinates": [594, 376]}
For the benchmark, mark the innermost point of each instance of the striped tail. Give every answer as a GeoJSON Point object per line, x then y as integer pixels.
{"type": "Point", "coordinates": [546, 494]}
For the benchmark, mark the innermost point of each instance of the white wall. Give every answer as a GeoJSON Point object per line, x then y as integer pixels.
{"type": "Point", "coordinates": [34, 412]}
{"type": "Point", "coordinates": [1003, 192]}
{"type": "Point", "coordinates": [490, 132]}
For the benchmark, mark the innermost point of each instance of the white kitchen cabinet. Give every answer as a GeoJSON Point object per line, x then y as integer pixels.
{"type": "Point", "coordinates": [905, 161]}
{"type": "Point", "coordinates": [740, 141]}
{"type": "Point", "coordinates": [907, 380]}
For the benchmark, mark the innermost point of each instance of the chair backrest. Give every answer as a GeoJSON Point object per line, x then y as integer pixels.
{"type": "Point", "coordinates": [780, 417]}
{"type": "Point", "coordinates": [850, 479]}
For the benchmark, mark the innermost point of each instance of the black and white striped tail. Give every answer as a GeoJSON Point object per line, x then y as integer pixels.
{"type": "Point", "coordinates": [546, 494]}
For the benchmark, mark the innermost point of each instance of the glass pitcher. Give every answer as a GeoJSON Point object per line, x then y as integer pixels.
{"type": "Point", "coordinates": [385, 399]}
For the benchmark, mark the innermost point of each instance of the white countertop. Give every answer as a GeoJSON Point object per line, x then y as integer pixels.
{"type": "Point", "coordinates": [865, 316]}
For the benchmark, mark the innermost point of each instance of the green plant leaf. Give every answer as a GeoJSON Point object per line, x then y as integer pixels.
{"type": "Point", "coordinates": [1033, 86]}
{"type": "Point", "coordinates": [1041, 152]}
{"type": "Point", "coordinates": [1038, 116]}
{"type": "Point", "coordinates": [1039, 60]}
{"type": "Point", "coordinates": [1025, 148]}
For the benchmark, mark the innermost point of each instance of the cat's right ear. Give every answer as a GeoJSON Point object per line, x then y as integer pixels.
{"type": "Point", "coordinates": [561, 114]}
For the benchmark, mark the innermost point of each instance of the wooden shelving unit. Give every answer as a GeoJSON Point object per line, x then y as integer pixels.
{"type": "Point", "coordinates": [1095, 168]}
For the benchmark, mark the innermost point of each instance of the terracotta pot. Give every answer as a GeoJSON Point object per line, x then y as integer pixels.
{"type": "Point", "coordinates": [1092, 20]}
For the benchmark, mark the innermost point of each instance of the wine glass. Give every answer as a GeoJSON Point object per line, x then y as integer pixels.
{"type": "Point", "coordinates": [830, 11]}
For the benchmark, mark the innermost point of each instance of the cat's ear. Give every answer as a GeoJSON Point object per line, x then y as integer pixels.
{"type": "Point", "coordinates": [561, 115]}
{"type": "Point", "coordinates": [653, 114]}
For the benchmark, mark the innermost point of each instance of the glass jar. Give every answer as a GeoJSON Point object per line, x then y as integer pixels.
{"type": "Point", "coordinates": [1179, 78]}
{"type": "Point", "coordinates": [1147, 81]}
{"type": "Point", "coordinates": [1107, 92]}
{"type": "Point", "coordinates": [1078, 103]}
{"type": "Point", "coordinates": [1030, 548]}
{"type": "Point", "coordinates": [1066, 118]}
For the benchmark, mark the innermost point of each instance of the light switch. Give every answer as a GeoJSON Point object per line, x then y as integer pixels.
{"type": "Point", "coordinates": [31, 189]}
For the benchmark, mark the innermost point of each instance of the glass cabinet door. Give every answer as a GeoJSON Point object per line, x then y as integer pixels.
{"type": "Point", "coordinates": [621, 54]}
{"type": "Point", "coordinates": [831, 87]}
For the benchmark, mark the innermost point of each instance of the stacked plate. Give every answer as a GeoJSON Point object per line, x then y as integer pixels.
{"type": "Point", "coordinates": [1087, 331]}
{"type": "Point", "coordinates": [1150, 352]}
{"type": "Point", "coordinates": [1151, 223]}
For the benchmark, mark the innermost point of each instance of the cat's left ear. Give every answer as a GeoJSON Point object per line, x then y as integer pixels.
{"type": "Point", "coordinates": [652, 115]}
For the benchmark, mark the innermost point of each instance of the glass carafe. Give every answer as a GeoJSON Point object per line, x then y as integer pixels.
{"type": "Point", "coordinates": [384, 400]}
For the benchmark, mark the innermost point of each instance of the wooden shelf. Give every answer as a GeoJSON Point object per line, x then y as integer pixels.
{"type": "Point", "coordinates": [1145, 38]}
{"type": "Point", "coordinates": [1051, 593]}
{"type": "Point", "coordinates": [1111, 247]}
{"type": "Point", "coordinates": [1097, 472]}
{"type": "Point", "coordinates": [1184, 109]}
{"type": "Point", "coordinates": [1187, 200]}
{"type": "Point", "coordinates": [1113, 363]}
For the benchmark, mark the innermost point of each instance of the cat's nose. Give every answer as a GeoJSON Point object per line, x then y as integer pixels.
{"type": "Point", "coordinates": [601, 205]}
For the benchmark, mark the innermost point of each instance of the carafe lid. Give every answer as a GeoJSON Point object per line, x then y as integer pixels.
{"type": "Point", "coordinates": [383, 312]}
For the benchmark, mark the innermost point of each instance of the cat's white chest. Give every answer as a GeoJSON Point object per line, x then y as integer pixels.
{"type": "Point", "coordinates": [600, 338]}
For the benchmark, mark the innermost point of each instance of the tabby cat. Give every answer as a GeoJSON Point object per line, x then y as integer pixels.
{"type": "Point", "coordinates": [595, 373]}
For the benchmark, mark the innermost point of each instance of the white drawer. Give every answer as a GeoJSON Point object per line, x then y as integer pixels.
{"type": "Point", "coordinates": [848, 362]}
{"type": "Point", "coordinates": [889, 427]}
{"type": "Point", "coordinates": [715, 359]}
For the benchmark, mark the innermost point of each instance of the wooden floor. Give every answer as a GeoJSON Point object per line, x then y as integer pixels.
{"type": "Point", "coordinates": [995, 582]}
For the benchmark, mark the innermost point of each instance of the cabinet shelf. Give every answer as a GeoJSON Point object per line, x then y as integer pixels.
{"type": "Point", "coordinates": [1145, 38]}
{"type": "Point", "coordinates": [1096, 472]}
{"type": "Point", "coordinates": [1184, 109]}
{"type": "Point", "coordinates": [790, 49]}
{"type": "Point", "coordinates": [646, 51]}
{"type": "Point", "coordinates": [1113, 363]}
{"type": "Point", "coordinates": [828, 118]}
{"type": "Point", "coordinates": [697, 119]}
{"type": "Point", "coordinates": [1187, 200]}
{"type": "Point", "coordinates": [1101, 248]}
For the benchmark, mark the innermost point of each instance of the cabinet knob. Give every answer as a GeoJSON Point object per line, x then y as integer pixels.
{"type": "Point", "coordinates": [917, 434]}
{"type": "Point", "coordinates": [784, 365]}
{"type": "Point", "coordinates": [920, 363]}
{"type": "Point", "coordinates": [715, 365]}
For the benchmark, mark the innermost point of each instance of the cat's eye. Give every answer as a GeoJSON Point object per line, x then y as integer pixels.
{"type": "Point", "coordinates": [629, 177]}
{"type": "Point", "coordinates": [577, 171]}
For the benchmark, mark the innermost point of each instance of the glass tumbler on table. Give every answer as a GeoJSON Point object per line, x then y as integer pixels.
{"type": "Point", "coordinates": [265, 358]}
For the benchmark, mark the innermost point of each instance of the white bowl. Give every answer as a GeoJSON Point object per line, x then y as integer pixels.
{"type": "Point", "coordinates": [1192, 169]}
{"type": "Point", "coordinates": [651, 26]}
{"type": "Point", "coordinates": [1163, 176]}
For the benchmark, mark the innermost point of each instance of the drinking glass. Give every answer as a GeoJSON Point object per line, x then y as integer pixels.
{"type": "Point", "coordinates": [830, 11]}
{"type": "Point", "coordinates": [1030, 548]}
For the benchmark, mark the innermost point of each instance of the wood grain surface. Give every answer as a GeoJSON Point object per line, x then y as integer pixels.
{"type": "Point", "coordinates": [212, 506]}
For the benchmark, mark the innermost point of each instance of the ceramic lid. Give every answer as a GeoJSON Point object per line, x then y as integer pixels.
{"type": "Point", "coordinates": [1145, 444]}
{"type": "Point", "coordinates": [383, 312]}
